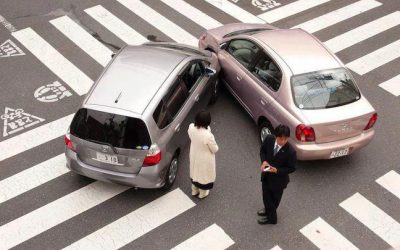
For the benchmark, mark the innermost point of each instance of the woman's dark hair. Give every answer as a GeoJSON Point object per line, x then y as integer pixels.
{"type": "Point", "coordinates": [202, 119]}
{"type": "Point", "coordinates": [282, 130]}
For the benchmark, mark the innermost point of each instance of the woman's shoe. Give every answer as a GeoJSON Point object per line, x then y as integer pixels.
{"type": "Point", "coordinates": [195, 190]}
{"type": "Point", "coordinates": [204, 193]}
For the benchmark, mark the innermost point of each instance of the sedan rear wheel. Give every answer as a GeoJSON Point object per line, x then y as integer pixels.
{"type": "Point", "coordinates": [215, 92]}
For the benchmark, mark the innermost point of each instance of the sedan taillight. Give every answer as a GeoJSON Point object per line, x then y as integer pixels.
{"type": "Point", "coordinates": [305, 133]}
{"type": "Point", "coordinates": [68, 142]}
{"type": "Point", "coordinates": [371, 121]}
{"type": "Point", "coordinates": [153, 157]}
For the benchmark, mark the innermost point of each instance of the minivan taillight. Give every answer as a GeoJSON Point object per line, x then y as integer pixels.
{"type": "Point", "coordinates": [371, 121]}
{"type": "Point", "coordinates": [68, 142]}
{"type": "Point", "coordinates": [153, 157]}
{"type": "Point", "coordinates": [305, 133]}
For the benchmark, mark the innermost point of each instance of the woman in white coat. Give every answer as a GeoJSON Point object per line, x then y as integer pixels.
{"type": "Point", "coordinates": [202, 155]}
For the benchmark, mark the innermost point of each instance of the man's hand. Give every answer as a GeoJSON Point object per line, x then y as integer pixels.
{"type": "Point", "coordinates": [273, 170]}
{"type": "Point", "coordinates": [264, 165]}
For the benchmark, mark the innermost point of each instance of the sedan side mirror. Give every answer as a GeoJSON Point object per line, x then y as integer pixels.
{"type": "Point", "coordinates": [223, 46]}
{"type": "Point", "coordinates": [210, 71]}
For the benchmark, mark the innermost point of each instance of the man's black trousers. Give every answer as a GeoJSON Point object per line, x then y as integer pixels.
{"type": "Point", "coordinates": [271, 199]}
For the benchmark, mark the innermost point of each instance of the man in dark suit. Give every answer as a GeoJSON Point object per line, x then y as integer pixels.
{"type": "Point", "coordinates": [278, 161]}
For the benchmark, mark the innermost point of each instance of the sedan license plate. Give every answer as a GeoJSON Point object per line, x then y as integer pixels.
{"type": "Point", "coordinates": [340, 153]}
{"type": "Point", "coordinates": [112, 159]}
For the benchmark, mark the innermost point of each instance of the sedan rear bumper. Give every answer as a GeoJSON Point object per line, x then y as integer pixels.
{"type": "Point", "coordinates": [324, 150]}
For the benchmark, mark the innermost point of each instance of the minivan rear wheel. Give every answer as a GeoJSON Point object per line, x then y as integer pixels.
{"type": "Point", "coordinates": [172, 172]}
{"type": "Point", "coordinates": [265, 129]}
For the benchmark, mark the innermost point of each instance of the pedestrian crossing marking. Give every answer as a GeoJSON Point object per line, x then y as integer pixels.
{"type": "Point", "coordinates": [376, 58]}
{"type": "Point", "coordinates": [56, 212]}
{"type": "Point", "coordinates": [161, 23]}
{"type": "Point", "coordinates": [213, 237]}
{"type": "Point", "coordinates": [235, 11]}
{"type": "Point", "coordinates": [9, 48]}
{"type": "Point", "coordinates": [137, 223]}
{"type": "Point", "coordinates": [52, 59]}
{"type": "Point", "coordinates": [115, 25]}
{"type": "Point", "coordinates": [338, 15]}
{"type": "Point", "coordinates": [192, 13]}
{"type": "Point", "coordinates": [15, 120]}
{"type": "Point", "coordinates": [374, 218]}
{"type": "Point", "coordinates": [32, 177]}
{"type": "Point", "coordinates": [276, 248]}
{"type": "Point", "coordinates": [324, 236]}
{"type": "Point", "coordinates": [34, 137]}
{"type": "Point", "coordinates": [290, 10]}
{"type": "Point", "coordinates": [391, 182]}
{"type": "Point", "coordinates": [363, 32]}
{"type": "Point", "coordinates": [83, 39]}
{"type": "Point", "coordinates": [392, 85]}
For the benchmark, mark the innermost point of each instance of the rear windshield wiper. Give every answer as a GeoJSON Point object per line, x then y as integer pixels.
{"type": "Point", "coordinates": [104, 143]}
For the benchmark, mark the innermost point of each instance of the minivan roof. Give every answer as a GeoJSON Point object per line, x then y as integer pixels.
{"type": "Point", "coordinates": [134, 77]}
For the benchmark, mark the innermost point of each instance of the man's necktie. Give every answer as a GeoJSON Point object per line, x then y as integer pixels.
{"type": "Point", "coordinates": [276, 149]}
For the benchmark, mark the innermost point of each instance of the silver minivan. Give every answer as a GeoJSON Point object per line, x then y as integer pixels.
{"type": "Point", "coordinates": [132, 124]}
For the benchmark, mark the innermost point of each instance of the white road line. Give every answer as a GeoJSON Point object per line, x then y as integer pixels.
{"type": "Point", "coordinates": [374, 218]}
{"type": "Point", "coordinates": [392, 85]}
{"type": "Point", "coordinates": [83, 39]}
{"type": "Point", "coordinates": [276, 248]}
{"type": "Point", "coordinates": [391, 180]}
{"type": "Point", "coordinates": [376, 58]}
{"type": "Point", "coordinates": [160, 22]}
{"type": "Point", "coordinates": [137, 223]}
{"type": "Point", "coordinates": [32, 177]}
{"type": "Point", "coordinates": [324, 236]}
{"type": "Point", "coordinates": [338, 15]}
{"type": "Point", "coordinates": [290, 9]}
{"type": "Point", "coordinates": [7, 24]}
{"type": "Point", "coordinates": [235, 11]}
{"type": "Point", "coordinates": [56, 212]}
{"type": "Point", "coordinates": [213, 237]}
{"type": "Point", "coordinates": [363, 32]}
{"type": "Point", "coordinates": [34, 137]}
{"type": "Point", "coordinates": [192, 13]}
{"type": "Point", "coordinates": [115, 25]}
{"type": "Point", "coordinates": [53, 60]}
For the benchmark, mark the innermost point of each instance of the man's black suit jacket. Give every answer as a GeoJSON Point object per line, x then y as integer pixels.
{"type": "Point", "coordinates": [284, 161]}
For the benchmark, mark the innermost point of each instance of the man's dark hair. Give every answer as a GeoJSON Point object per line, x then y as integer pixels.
{"type": "Point", "coordinates": [202, 119]}
{"type": "Point", "coordinates": [282, 130]}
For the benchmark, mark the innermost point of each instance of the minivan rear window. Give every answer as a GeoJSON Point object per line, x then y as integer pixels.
{"type": "Point", "coordinates": [118, 130]}
{"type": "Point", "coordinates": [324, 89]}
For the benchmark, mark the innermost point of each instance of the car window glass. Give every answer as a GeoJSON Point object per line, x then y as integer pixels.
{"type": "Point", "coordinates": [268, 72]}
{"type": "Point", "coordinates": [161, 116]}
{"type": "Point", "coordinates": [244, 51]}
{"type": "Point", "coordinates": [192, 74]}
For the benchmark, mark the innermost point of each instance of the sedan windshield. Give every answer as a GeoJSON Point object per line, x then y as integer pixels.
{"type": "Point", "coordinates": [324, 89]}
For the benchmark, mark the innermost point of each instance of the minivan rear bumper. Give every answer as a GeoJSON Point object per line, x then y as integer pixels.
{"type": "Point", "coordinates": [148, 177]}
{"type": "Point", "coordinates": [323, 150]}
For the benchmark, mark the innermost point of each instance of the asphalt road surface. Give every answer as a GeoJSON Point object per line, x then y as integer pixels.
{"type": "Point", "coordinates": [62, 46]}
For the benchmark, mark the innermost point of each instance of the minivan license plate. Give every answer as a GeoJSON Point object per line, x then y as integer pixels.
{"type": "Point", "coordinates": [340, 153]}
{"type": "Point", "coordinates": [112, 159]}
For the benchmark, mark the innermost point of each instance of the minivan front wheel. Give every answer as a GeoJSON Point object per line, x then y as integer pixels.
{"type": "Point", "coordinates": [172, 172]}
{"type": "Point", "coordinates": [265, 129]}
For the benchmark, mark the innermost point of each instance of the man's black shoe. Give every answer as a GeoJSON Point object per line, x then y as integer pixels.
{"type": "Point", "coordinates": [265, 220]}
{"type": "Point", "coordinates": [262, 212]}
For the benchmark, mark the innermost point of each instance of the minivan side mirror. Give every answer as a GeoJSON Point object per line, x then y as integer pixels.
{"type": "Point", "coordinates": [112, 55]}
{"type": "Point", "coordinates": [223, 45]}
{"type": "Point", "coordinates": [210, 71]}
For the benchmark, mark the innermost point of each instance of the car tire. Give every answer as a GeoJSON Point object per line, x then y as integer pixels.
{"type": "Point", "coordinates": [170, 177]}
{"type": "Point", "coordinates": [265, 128]}
{"type": "Point", "coordinates": [215, 92]}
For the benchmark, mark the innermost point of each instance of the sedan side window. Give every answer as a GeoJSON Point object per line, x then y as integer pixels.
{"type": "Point", "coordinates": [244, 51]}
{"type": "Point", "coordinates": [268, 72]}
{"type": "Point", "coordinates": [192, 75]}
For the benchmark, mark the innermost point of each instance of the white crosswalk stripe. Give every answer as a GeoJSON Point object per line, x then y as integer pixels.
{"type": "Point", "coordinates": [363, 32]}
{"type": "Point", "coordinates": [276, 248]}
{"type": "Point", "coordinates": [374, 218]}
{"type": "Point", "coordinates": [376, 58]}
{"type": "Point", "coordinates": [192, 13]}
{"type": "Point", "coordinates": [32, 177]}
{"type": "Point", "coordinates": [137, 223]}
{"type": "Point", "coordinates": [324, 236]}
{"type": "Point", "coordinates": [160, 22]}
{"type": "Point", "coordinates": [235, 11]}
{"type": "Point", "coordinates": [34, 137]}
{"type": "Point", "coordinates": [290, 9]}
{"type": "Point", "coordinates": [115, 25]}
{"type": "Point", "coordinates": [56, 212]}
{"type": "Point", "coordinates": [392, 85]}
{"type": "Point", "coordinates": [83, 39]}
{"type": "Point", "coordinates": [391, 181]}
{"type": "Point", "coordinates": [338, 15]}
{"type": "Point", "coordinates": [213, 237]}
{"type": "Point", "coordinates": [53, 60]}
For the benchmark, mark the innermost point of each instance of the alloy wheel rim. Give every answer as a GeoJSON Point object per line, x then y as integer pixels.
{"type": "Point", "coordinates": [172, 171]}
{"type": "Point", "coordinates": [264, 132]}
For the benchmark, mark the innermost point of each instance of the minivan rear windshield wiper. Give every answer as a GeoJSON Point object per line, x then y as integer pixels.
{"type": "Point", "coordinates": [104, 143]}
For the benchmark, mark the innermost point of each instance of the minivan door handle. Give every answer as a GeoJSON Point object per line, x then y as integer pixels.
{"type": "Point", "coordinates": [238, 77]}
{"type": "Point", "coordinates": [177, 128]}
{"type": "Point", "coordinates": [262, 102]}
{"type": "Point", "coordinates": [197, 98]}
